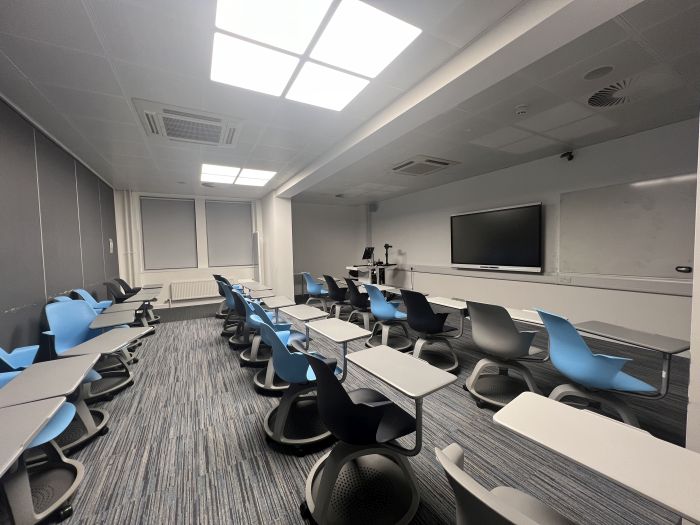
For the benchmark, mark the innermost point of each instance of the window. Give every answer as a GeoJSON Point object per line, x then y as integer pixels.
{"type": "Point", "coordinates": [229, 233]}
{"type": "Point", "coordinates": [169, 233]}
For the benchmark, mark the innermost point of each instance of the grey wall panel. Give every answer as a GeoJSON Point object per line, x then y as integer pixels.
{"type": "Point", "coordinates": [229, 233]}
{"type": "Point", "coordinates": [91, 231]}
{"type": "Point", "coordinates": [21, 268]}
{"type": "Point", "coordinates": [168, 228]}
{"type": "Point", "coordinates": [59, 217]}
{"type": "Point", "coordinates": [109, 231]}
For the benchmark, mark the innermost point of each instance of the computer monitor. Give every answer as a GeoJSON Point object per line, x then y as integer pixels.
{"type": "Point", "coordinates": [369, 252]}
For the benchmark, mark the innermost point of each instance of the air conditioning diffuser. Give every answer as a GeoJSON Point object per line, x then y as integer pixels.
{"type": "Point", "coordinates": [422, 165]}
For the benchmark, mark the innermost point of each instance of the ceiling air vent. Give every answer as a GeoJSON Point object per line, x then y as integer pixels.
{"type": "Point", "coordinates": [422, 165]}
{"type": "Point", "coordinates": [185, 125]}
{"type": "Point", "coordinates": [653, 81]}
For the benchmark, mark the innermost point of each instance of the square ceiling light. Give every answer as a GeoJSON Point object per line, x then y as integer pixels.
{"type": "Point", "coordinates": [242, 64]}
{"type": "Point", "coordinates": [219, 174]}
{"type": "Point", "coordinates": [362, 39]}
{"type": "Point", "coordinates": [325, 87]}
{"type": "Point", "coordinates": [251, 177]}
{"type": "Point", "coordinates": [287, 24]}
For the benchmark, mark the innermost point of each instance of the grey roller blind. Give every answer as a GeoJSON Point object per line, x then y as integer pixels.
{"type": "Point", "coordinates": [169, 233]}
{"type": "Point", "coordinates": [229, 233]}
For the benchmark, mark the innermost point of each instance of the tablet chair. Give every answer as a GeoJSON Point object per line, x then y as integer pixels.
{"type": "Point", "coordinates": [257, 354]}
{"type": "Point", "coordinates": [232, 318]}
{"type": "Point", "coordinates": [359, 302]}
{"type": "Point", "coordinates": [366, 477]}
{"type": "Point", "coordinates": [315, 290]}
{"type": "Point", "coordinates": [495, 334]}
{"type": "Point", "coordinates": [295, 421]}
{"type": "Point", "coordinates": [61, 298]}
{"type": "Point", "coordinates": [86, 296]}
{"type": "Point", "coordinates": [477, 505]}
{"type": "Point", "coordinates": [125, 286]}
{"type": "Point", "coordinates": [338, 295]}
{"type": "Point", "coordinates": [115, 291]}
{"type": "Point", "coordinates": [45, 494]}
{"type": "Point", "coordinates": [223, 308]}
{"type": "Point", "coordinates": [596, 376]}
{"type": "Point", "coordinates": [19, 358]}
{"type": "Point", "coordinates": [387, 315]}
{"type": "Point", "coordinates": [431, 330]}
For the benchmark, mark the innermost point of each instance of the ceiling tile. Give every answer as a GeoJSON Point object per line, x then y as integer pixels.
{"type": "Point", "coordinates": [159, 86]}
{"type": "Point", "coordinates": [652, 12]}
{"type": "Point", "coordinates": [506, 88]}
{"type": "Point", "coordinates": [501, 137]}
{"type": "Point", "coordinates": [677, 36]}
{"type": "Point", "coordinates": [282, 138]}
{"type": "Point", "coordinates": [106, 131]}
{"type": "Point", "coordinates": [535, 98]}
{"type": "Point", "coordinates": [116, 148]}
{"type": "Point", "coordinates": [60, 66]}
{"type": "Point", "coordinates": [466, 130]}
{"type": "Point", "coordinates": [529, 145]}
{"type": "Point", "coordinates": [581, 128]}
{"type": "Point", "coordinates": [421, 14]}
{"type": "Point", "coordinates": [261, 152]}
{"type": "Point", "coordinates": [555, 117]}
{"type": "Point", "coordinates": [688, 67]}
{"type": "Point", "coordinates": [143, 164]}
{"type": "Point", "coordinates": [469, 19]}
{"type": "Point", "coordinates": [75, 102]}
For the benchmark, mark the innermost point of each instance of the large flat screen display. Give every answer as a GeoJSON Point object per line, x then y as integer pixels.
{"type": "Point", "coordinates": [505, 239]}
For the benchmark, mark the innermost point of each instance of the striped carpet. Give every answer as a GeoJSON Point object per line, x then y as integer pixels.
{"type": "Point", "coordinates": [186, 444]}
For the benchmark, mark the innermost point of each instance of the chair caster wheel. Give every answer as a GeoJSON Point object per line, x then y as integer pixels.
{"type": "Point", "coordinates": [64, 513]}
{"type": "Point", "coordinates": [109, 398]}
{"type": "Point", "coordinates": [480, 403]}
{"type": "Point", "coordinates": [464, 387]}
{"type": "Point", "coordinates": [135, 360]}
{"type": "Point", "coordinates": [104, 431]}
{"type": "Point", "coordinates": [306, 513]}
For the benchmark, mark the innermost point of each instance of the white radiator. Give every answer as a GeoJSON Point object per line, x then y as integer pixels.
{"type": "Point", "coordinates": [186, 290]}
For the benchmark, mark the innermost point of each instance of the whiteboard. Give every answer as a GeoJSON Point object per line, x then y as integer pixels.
{"type": "Point", "coordinates": [641, 229]}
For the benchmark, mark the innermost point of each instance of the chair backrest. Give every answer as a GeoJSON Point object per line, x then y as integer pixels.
{"type": "Point", "coordinates": [312, 286]}
{"type": "Point", "coordinates": [495, 333]}
{"type": "Point", "coordinates": [420, 314]}
{"type": "Point", "coordinates": [84, 295]}
{"type": "Point", "coordinates": [380, 307]}
{"type": "Point", "coordinates": [335, 292]}
{"type": "Point", "coordinates": [357, 299]}
{"type": "Point", "coordinates": [261, 313]}
{"type": "Point", "coordinates": [568, 351]}
{"type": "Point", "coordinates": [61, 298]}
{"type": "Point", "coordinates": [242, 306]}
{"type": "Point", "coordinates": [220, 284]}
{"type": "Point", "coordinates": [70, 323]}
{"type": "Point", "coordinates": [475, 504]}
{"type": "Point", "coordinates": [125, 286]}
{"type": "Point", "coordinates": [115, 291]}
{"type": "Point", "coordinates": [230, 299]}
{"type": "Point", "coordinates": [344, 419]}
{"type": "Point", "coordinates": [290, 366]}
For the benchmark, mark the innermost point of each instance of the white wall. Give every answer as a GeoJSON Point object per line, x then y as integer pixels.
{"type": "Point", "coordinates": [327, 238]}
{"type": "Point", "coordinates": [693, 422]}
{"type": "Point", "coordinates": [277, 242]}
{"type": "Point", "coordinates": [417, 225]}
{"type": "Point", "coordinates": [131, 266]}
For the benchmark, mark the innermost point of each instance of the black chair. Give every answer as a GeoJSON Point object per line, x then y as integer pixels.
{"type": "Point", "coordinates": [359, 302]}
{"type": "Point", "coordinates": [125, 286]}
{"type": "Point", "coordinates": [222, 311]}
{"type": "Point", "coordinates": [115, 291]}
{"type": "Point", "coordinates": [338, 295]}
{"type": "Point", "coordinates": [431, 330]}
{"type": "Point", "coordinates": [240, 339]}
{"type": "Point", "coordinates": [365, 461]}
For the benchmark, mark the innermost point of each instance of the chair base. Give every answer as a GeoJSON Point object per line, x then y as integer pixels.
{"type": "Point", "coordinates": [239, 341]}
{"type": "Point", "coordinates": [222, 311]}
{"type": "Point", "coordinates": [295, 421]}
{"type": "Point", "coordinates": [446, 361]}
{"type": "Point", "coordinates": [268, 383]}
{"type": "Point", "coordinates": [111, 383]}
{"type": "Point", "coordinates": [500, 388]}
{"type": "Point", "coordinates": [365, 317]}
{"type": "Point", "coordinates": [257, 355]}
{"type": "Point", "coordinates": [322, 300]}
{"type": "Point", "coordinates": [397, 342]}
{"type": "Point", "coordinates": [337, 309]}
{"type": "Point", "coordinates": [606, 400]}
{"type": "Point", "coordinates": [355, 484]}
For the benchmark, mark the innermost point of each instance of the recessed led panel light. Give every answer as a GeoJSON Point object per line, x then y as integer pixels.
{"type": "Point", "coordinates": [250, 66]}
{"type": "Point", "coordinates": [242, 181]}
{"type": "Point", "coordinates": [247, 173]}
{"type": "Point", "coordinates": [219, 179]}
{"type": "Point", "coordinates": [286, 24]}
{"type": "Point", "coordinates": [214, 169]}
{"type": "Point", "coordinates": [363, 39]}
{"type": "Point", "coordinates": [325, 87]}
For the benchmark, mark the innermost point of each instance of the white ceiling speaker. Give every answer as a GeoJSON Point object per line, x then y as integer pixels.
{"type": "Point", "coordinates": [172, 123]}
{"type": "Point", "coordinates": [422, 165]}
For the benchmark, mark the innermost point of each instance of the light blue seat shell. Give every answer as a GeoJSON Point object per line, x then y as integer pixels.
{"type": "Point", "coordinates": [56, 425]}
{"type": "Point", "coordinates": [90, 300]}
{"type": "Point", "coordinates": [312, 286]}
{"type": "Point", "coordinates": [382, 309]}
{"type": "Point", "coordinates": [20, 357]}
{"type": "Point", "coordinates": [284, 330]}
{"type": "Point", "coordinates": [290, 366]}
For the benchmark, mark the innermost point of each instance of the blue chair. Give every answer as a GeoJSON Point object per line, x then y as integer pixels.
{"type": "Point", "coordinates": [316, 292]}
{"type": "Point", "coordinates": [61, 298]}
{"type": "Point", "coordinates": [258, 355]}
{"type": "Point", "coordinates": [596, 375]}
{"type": "Point", "coordinates": [86, 296]}
{"type": "Point", "coordinates": [295, 421]}
{"type": "Point", "coordinates": [387, 315]}
{"type": "Point", "coordinates": [19, 358]}
{"type": "Point", "coordinates": [232, 318]}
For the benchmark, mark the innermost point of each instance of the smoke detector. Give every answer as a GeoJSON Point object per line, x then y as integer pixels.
{"type": "Point", "coordinates": [521, 110]}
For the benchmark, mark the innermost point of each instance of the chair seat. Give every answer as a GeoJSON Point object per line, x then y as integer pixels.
{"type": "Point", "coordinates": [55, 427]}
{"type": "Point", "coordinates": [531, 507]}
{"type": "Point", "coordinates": [395, 422]}
{"type": "Point", "coordinates": [624, 382]}
{"type": "Point", "coordinates": [254, 321]}
{"type": "Point", "coordinates": [22, 357]}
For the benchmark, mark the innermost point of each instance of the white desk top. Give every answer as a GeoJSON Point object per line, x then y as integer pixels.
{"type": "Point", "coordinates": [121, 307]}
{"type": "Point", "coordinates": [649, 341]}
{"type": "Point", "coordinates": [152, 287]}
{"type": "Point", "coordinates": [144, 296]}
{"type": "Point", "coordinates": [525, 316]}
{"type": "Point", "coordinates": [412, 377]}
{"type": "Point", "coordinates": [304, 312]}
{"type": "Point", "coordinates": [278, 301]}
{"type": "Point", "coordinates": [262, 294]}
{"type": "Point", "coordinates": [255, 286]}
{"type": "Point", "coordinates": [380, 287]}
{"type": "Point", "coordinates": [27, 421]}
{"type": "Point", "coordinates": [107, 320]}
{"type": "Point", "coordinates": [448, 303]}
{"type": "Point", "coordinates": [108, 342]}
{"type": "Point", "coordinates": [656, 469]}
{"type": "Point", "coordinates": [338, 331]}
{"type": "Point", "coordinates": [59, 377]}
{"type": "Point", "coordinates": [243, 281]}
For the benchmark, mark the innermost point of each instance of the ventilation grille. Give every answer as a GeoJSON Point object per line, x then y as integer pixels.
{"type": "Point", "coordinates": [613, 95]}
{"type": "Point", "coordinates": [183, 125]}
{"type": "Point", "coordinates": [422, 165]}
{"type": "Point", "coordinates": [651, 82]}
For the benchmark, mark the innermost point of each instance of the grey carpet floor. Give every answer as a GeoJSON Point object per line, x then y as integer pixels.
{"type": "Point", "coordinates": [186, 443]}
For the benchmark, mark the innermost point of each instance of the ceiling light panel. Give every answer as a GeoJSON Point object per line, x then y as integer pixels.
{"type": "Point", "coordinates": [250, 66]}
{"type": "Point", "coordinates": [219, 174]}
{"type": "Point", "coordinates": [363, 39]}
{"type": "Point", "coordinates": [247, 173]}
{"type": "Point", "coordinates": [242, 181]}
{"type": "Point", "coordinates": [286, 24]}
{"type": "Point", "coordinates": [325, 87]}
{"type": "Point", "coordinates": [218, 179]}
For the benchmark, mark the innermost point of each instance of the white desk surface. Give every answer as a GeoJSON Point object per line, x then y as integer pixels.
{"type": "Point", "coordinates": [107, 320]}
{"type": "Point", "coordinates": [380, 287]}
{"type": "Point", "coordinates": [304, 312]}
{"type": "Point", "coordinates": [121, 307]}
{"type": "Point", "coordinates": [649, 341]}
{"type": "Point", "coordinates": [59, 377]}
{"type": "Point", "coordinates": [278, 301]}
{"type": "Point", "coordinates": [244, 281]}
{"type": "Point", "coordinates": [338, 331]}
{"type": "Point", "coordinates": [262, 294]}
{"type": "Point", "coordinates": [27, 421]}
{"type": "Point", "coordinates": [144, 296]}
{"type": "Point", "coordinates": [525, 316]}
{"type": "Point", "coordinates": [152, 287]}
{"type": "Point", "coordinates": [656, 469]}
{"type": "Point", "coordinates": [448, 303]}
{"type": "Point", "coordinates": [108, 342]}
{"type": "Point", "coordinates": [412, 377]}
{"type": "Point", "coordinates": [255, 286]}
